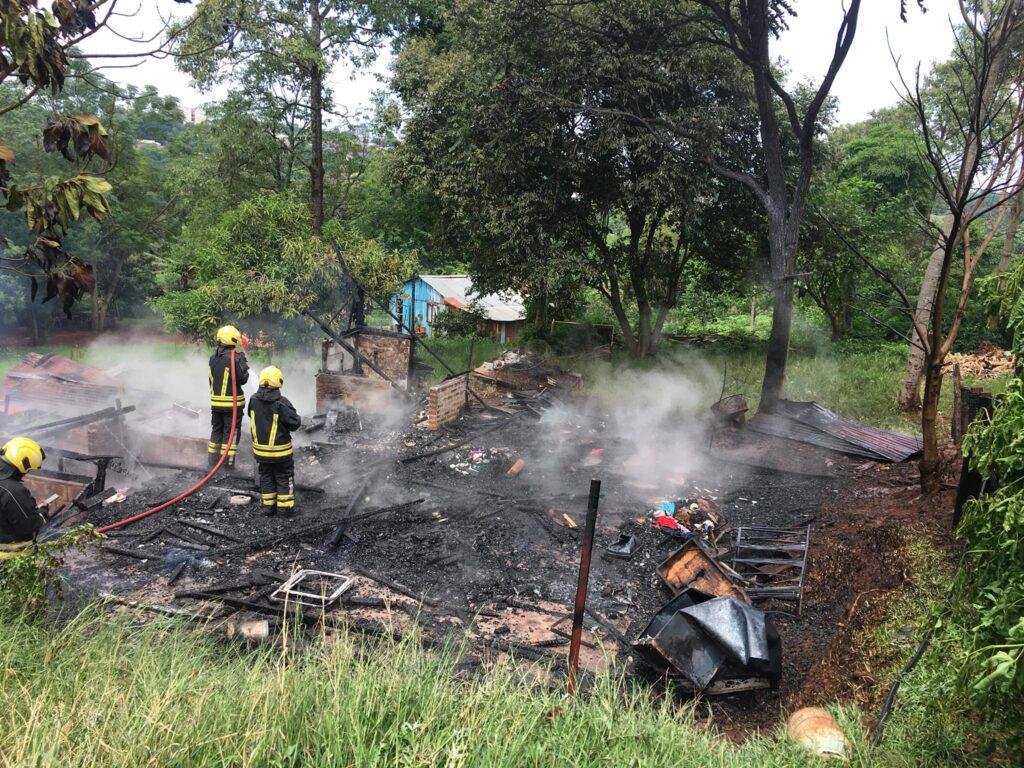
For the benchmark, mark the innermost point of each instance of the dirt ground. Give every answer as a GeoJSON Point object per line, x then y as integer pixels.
{"type": "Point", "coordinates": [472, 552]}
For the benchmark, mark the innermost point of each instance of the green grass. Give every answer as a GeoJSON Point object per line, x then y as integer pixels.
{"type": "Point", "coordinates": [933, 722]}
{"type": "Point", "coordinates": [857, 380]}
{"type": "Point", "coordinates": [456, 353]}
{"type": "Point", "coordinates": [107, 693]}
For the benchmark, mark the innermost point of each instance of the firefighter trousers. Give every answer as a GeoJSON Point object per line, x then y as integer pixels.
{"type": "Point", "coordinates": [277, 486]}
{"type": "Point", "coordinates": [220, 427]}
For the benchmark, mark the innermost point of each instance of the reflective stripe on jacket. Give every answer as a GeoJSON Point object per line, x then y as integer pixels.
{"type": "Point", "coordinates": [272, 418]}
{"type": "Point", "coordinates": [221, 398]}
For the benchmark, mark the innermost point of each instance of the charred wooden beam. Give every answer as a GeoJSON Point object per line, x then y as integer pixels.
{"type": "Point", "coordinates": [210, 529]}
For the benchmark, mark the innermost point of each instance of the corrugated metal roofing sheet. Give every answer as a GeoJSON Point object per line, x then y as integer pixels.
{"type": "Point", "coordinates": [776, 425]}
{"type": "Point", "coordinates": [506, 306]}
{"type": "Point", "coordinates": [892, 446]}
{"type": "Point", "coordinates": [816, 425]}
{"type": "Point", "coordinates": [58, 384]}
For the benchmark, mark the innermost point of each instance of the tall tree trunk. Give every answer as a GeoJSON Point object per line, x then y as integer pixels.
{"type": "Point", "coordinates": [1006, 256]}
{"type": "Point", "coordinates": [316, 116]}
{"type": "Point", "coordinates": [838, 325]}
{"type": "Point", "coordinates": [645, 331]}
{"type": "Point", "coordinates": [910, 391]}
{"type": "Point", "coordinates": [753, 312]}
{"type": "Point", "coordinates": [615, 300]}
{"type": "Point", "coordinates": [782, 255]}
{"type": "Point", "coordinates": [33, 323]}
{"type": "Point", "coordinates": [930, 460]}
{"type": "Point", "coordinates": [909, 397]}
{"type": "Point", "coordinates": [95, 308]}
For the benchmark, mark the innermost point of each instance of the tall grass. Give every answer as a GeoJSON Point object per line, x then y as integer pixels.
{"type": "Point", "coordinates": [107, 693]}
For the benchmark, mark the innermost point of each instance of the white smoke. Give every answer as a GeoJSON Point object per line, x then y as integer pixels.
{"type": "Point", "coordinates": [651, 423]}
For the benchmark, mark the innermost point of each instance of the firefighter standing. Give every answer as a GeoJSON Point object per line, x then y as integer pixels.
{"type": "Point", "coordinates": [221, 393]}
{"type": "Point", "coordinates": [272, 418]}
{"type": "Point", "coordinates": [20, 516]}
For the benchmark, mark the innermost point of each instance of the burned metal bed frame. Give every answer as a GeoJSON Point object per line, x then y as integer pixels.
{"type": "Point", "coordinates": [778, 554]}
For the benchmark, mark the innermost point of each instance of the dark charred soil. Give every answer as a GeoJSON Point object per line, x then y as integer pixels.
{"type": "Point", "coordinates": [495, 556]}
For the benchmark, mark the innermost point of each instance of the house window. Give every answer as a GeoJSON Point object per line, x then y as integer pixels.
{"type": "Point", "coordinates": [432, 309]}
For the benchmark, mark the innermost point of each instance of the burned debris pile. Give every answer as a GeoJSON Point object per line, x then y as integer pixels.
{"type": "Point", "coordinates": [459, 512]}
{"type": "Point", "coordinates": [986, 362]}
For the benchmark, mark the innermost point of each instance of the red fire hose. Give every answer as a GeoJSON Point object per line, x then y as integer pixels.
{"type": "Point", "coordinates": [209, 476]}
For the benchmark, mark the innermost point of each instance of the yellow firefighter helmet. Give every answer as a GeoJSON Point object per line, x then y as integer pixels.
{"type": "Point", "coordinates": [229, 336]}
{"type": "Point", "coordinates": [272, 377]}
{"type": "Point", "coordinates": [23, 453]}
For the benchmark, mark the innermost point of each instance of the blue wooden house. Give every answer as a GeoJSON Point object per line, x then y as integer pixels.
{"type": "Point", "coordinates": [422, 297]}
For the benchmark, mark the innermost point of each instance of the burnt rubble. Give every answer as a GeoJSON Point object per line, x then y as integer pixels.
{"type": "Point", "coordinates": [473, 531]}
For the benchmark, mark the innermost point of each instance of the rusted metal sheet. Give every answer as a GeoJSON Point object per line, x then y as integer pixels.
{"type": "Point", "coordinates": [816, 425]}
{"type": "Point", "coordinates": [58, 385]}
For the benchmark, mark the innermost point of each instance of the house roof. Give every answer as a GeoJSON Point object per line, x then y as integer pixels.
{"type": "Point", "coordinates": [457, 291]}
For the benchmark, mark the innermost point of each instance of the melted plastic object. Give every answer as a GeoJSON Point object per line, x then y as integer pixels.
{"type": "Point", "coordinates": [739, 628]}
{"type": "Point", "coordinates": [676, 640]}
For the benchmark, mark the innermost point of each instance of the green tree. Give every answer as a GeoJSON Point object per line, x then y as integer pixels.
{"type": "Point", "coordinates": [870, 192]}
{"type": "Point", "coordinates": [278, 53]}
{"type": "Point", "coordinates": [261, 258]}
{"type": "Point", "coordinates": [34, 58]}
{"type": "Point", "coordinates": [527, 144]}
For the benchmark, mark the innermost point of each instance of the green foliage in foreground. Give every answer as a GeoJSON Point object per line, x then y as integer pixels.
{"type": "Point", "coordinates": [106, 693]}
{"type": "Point", "coordinates": [993, 527]}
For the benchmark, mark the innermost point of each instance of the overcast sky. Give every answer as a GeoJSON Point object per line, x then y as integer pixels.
{"type": "Point", "coordinates": [864, 84]}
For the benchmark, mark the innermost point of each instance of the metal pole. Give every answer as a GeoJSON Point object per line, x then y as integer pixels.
{"type": "Point", "coordinates": [581, 585]}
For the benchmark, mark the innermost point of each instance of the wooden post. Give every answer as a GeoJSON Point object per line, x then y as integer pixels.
{"type": "Point", "coordinates": [581, 585]}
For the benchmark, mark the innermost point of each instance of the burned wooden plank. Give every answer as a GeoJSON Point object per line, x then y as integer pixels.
{"type": "Point", "coordinates": [210, 529]}
{"type": "Point", "coordinates": [173, 578]}
{"type": "Point", "coordinates": [129, 553]}
{"type": "Point", "coordinates": [104, 414]}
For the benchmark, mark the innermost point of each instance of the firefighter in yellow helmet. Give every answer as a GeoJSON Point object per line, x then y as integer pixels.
{"type": "Point", "coordinates": [272, 418]}
{"type": "Point", "coordinates": [20, 516]}
{"type": "Point", "coordinates": [221, 392]}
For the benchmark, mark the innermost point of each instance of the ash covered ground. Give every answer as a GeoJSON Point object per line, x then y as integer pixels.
{"type": "Point", "coordinates": [456, 544]}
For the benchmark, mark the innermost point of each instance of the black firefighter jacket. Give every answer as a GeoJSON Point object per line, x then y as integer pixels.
{"type": "Point", "coordinates": [272, 418]}
{"type": "Point", "coordinates": [220, 377]}
{"type": "Point", "coordinates": [19, 518]}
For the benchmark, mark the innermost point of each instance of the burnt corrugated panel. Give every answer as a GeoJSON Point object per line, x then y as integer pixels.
{"type": "Point", "coordinates": [890, 446]}
{"type": "Point", "coordinates": [58, 397]}
{"type": "Point", "coordinates": [59, 367]}
{"type": "Point", "coordinates": [57, 384]}
{"type": "Point", "coordinates": [779, 425]}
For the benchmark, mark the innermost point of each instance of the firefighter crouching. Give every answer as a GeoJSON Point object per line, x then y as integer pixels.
{"type": "Point", "coordinates": [20, 516]}
{"type": "Point", "coordinates": [272, 418]}
{"type": "Point", "coordinates": [221, 393]}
